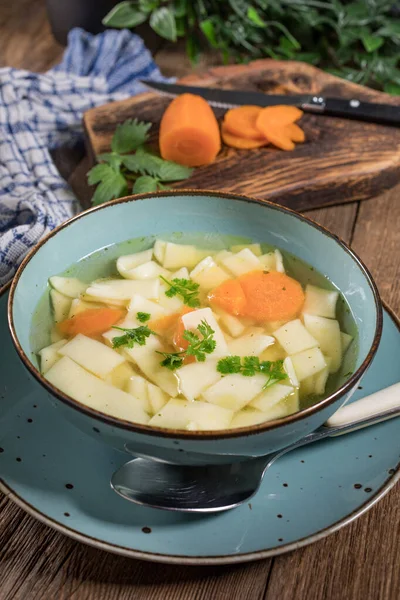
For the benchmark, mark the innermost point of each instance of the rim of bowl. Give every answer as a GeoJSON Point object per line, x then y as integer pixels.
{"type": "Point", "coordinates": [179, 433]}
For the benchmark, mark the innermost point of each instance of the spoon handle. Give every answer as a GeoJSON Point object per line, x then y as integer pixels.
{"type": "Point", "coordinates": [370, 410]}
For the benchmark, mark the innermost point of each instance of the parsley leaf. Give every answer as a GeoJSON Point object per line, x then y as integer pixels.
{"type": "Point", "coordinates": [146, 163]}
{"type": "Point", "coordinates": [112, 184]}
{"type": "Point", "coordinates": [131, 337]}
{"type": "Point", "coordinates": [172, 360]}
{"type": "Point", "coordinates": [274, 372]}
{"type": "Point", "coordinates": [144, 171]}
{"type": "Point", "coordinates": [144, 183]}
{"type": "Point", "coordinates": [250, 365]}
{"type": "Point", "coordinates": [199, 347]}
{"type": "Point", "coordinates": [129, 135]}
{"type": "Point", "coordinates": [228, 365]}
{"type": "Point", "coordinates": [143, 317]}
{"type": "Point", "coordinates": [186, 288]}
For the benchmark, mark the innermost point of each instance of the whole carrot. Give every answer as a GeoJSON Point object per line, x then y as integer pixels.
{"type": "Point", "coordinates": [189, 132]}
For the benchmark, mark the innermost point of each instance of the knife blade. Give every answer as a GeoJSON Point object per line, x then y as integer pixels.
{"type": "Point", "coordinates": [352, 108]}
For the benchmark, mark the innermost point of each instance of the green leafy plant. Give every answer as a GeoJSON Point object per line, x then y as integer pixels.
{"type": "Point", "coordinates": [197, 347]}
{"type": "Point", "coordinates": [355, 39]}
{"type": "Point", "coordinates": [137, 335]}
{"type": "Point", "coordinates": [130, 166]}
{"type": "Point", "coordinates": [187, 289]}
{"type": "Point", "coordinates": [250, 365]}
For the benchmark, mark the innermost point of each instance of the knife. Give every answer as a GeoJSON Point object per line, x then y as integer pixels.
{"type": "Point", "coordinates": [334, 107]}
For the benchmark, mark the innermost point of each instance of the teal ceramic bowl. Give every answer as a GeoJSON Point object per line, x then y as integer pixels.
{"type": "Point", "coordinates": [209, 212]}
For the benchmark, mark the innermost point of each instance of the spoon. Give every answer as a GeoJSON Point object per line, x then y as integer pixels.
{"type": "Point", "coordinates": [214, 488]}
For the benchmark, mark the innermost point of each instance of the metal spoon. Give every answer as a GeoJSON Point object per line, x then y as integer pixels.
{"type": "Point", "coordinates": [214, 488]}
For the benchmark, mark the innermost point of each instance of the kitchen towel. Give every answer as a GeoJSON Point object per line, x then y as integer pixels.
{"type": "Point", "coordinates": [41, 111]}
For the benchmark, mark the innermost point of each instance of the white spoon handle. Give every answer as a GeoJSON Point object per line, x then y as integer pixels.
{"type": "Point", "coordinates": [386, 402]}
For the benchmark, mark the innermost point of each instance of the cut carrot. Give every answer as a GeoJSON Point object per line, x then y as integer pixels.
{"type": "Point", "coordinates": [240, 142]}
{"type": "Point", "coordinates": [229, 296]}
{"type": "Point", "coordinates": [294, 132]}
{"type": "Point", "coordinates": [91, 322]}
{"type": "Point", "coordinates": [277, 115]}
{"type": "Point", "coordinates": [241, 122]}
{"type": "Point", "coordinates": [165, 325]}
{"type": "Point", "coordinates": [271, 296]}
{"type": "Point", "coordinates": [189, 132]}
{"type": "Point", "coordinates": [178, 340]}
{"type": "Point", "coordinates": [171, 328]}
{"type": "Point", "coordinates": [279, 138]}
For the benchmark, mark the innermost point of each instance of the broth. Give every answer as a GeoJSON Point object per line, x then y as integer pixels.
{"type": "Point", "coordinates": [188, 356]}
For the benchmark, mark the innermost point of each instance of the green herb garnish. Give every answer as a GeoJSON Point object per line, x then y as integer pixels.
{"type": "Point", "coordinates": [198, 347]}
{"type": "Point", "coordinates": [186, 288]}
{"type": "Point", "coordinates": [250, 365]}
{"type": "Point", "coordinates": [131, 337]}
{"type": "Point", "coordinates": [143, 317]}
{"type": "Point", "coordinates": [172, 360]}
{"type": "Point", "coordinates": [120, 170]}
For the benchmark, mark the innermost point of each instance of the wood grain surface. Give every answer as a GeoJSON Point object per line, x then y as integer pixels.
{"type": "Point", "coordinates": [360, 562]}
{"type": "Point", "coordinates": [340, 161]}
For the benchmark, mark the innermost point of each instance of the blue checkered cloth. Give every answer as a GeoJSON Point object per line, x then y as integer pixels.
{"type": "Point", "coordinates": [39, 112]}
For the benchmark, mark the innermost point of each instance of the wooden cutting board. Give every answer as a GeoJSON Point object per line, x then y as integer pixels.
{"type": "Point", "coordinates": [341, 160]}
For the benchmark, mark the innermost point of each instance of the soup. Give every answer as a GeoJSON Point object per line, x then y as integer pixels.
{"type": "Point", "coordinates": [182, 336]}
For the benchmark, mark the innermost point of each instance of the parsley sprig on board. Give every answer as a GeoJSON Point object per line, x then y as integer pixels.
{"type": "Point", "coordinates": [186, 288]}
{"type": "Point", "coordinates": [137, 335]}
{"type": "Point", "coordinates": [250, 365]}
{"type": "Point", "coordinates": [130, 166]}
{"type": "Point", "coordinates": [198, 347]}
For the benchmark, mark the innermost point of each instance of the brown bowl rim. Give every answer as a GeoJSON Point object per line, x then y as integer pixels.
{"type": "Point", "coordinates": [199, 435]}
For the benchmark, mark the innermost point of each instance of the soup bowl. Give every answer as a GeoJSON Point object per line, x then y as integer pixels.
{"type": "Point", "coordinates": [157, 214]}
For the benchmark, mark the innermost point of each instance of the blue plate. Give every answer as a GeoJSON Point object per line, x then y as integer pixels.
{"type": "Point", "coordinates": [61, 477]}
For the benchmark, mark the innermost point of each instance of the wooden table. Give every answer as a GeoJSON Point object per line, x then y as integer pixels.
{"type": "Point", "coordinates": [360, 562]}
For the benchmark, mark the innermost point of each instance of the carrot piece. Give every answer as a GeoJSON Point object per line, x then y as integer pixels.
{"type": "Point", "coordinates": [241, 122]}
{"type": "Point", "coordinates": [171, 327]}
{"type": "Point", "coordinates": [240, 142]}
{"type": "Point", "coordinates": [164, 325]}
{"type": "Point", "coordinates": [271, 296]}
{"type": "Point", "coordinates": [229, 296]}
{"type": "Point", "coordinates": [189, 132]}
{"type": "Point", "coordinates": [91, 322]}
{"type": "Point", "coordinates": [278, 137]}
{"type": "Point", "coordinates": [294, 132]}
{"type": "Point", "coordinates": [277, 115]}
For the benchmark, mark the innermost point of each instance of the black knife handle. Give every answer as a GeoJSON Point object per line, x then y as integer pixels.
{"type": "Point", "coordinates": [355, 109]}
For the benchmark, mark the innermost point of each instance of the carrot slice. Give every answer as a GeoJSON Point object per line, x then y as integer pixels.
{"type": "Point", "coordinates": [240, 142]}
{"type": "Point", "coordinates": [91, 322]}
{"type": "Point", "coordinates": [229, 296]}
{"type": "Point", "coordinates": [189, 132]}
{"type": "Point", "coordinates": [178, 340]}
{"type": "Point", "coordinates": [241, 122]}
{"type": "Point", "coordinates": [171, 327]}
{"type": "Point", "coordinates": [277, 115]}
{"type": "Point", "coordinates": [271, 296]}
{"type": "Point", "coordinates": [278, 137]}
{"type": "Point", "coordinates": [294, 132]}
{"type": "Point", "coordinates": [165, 325]}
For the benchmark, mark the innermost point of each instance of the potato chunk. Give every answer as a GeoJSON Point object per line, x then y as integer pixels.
{"type": "Point", "coordinates": [294, 337]}
{"type": "Point", "coordinates": [319, 302]}
{"type": "Point", "coordinates": [181, 414]}
{"type": "Point", "coordinates": [92, 355]}
{"type": "Point", "coordinates": [327, 332]}
{"type": "Point", "coordinates": [307, 363]}
{"type": "Point", "coordinates": [88, 389]}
